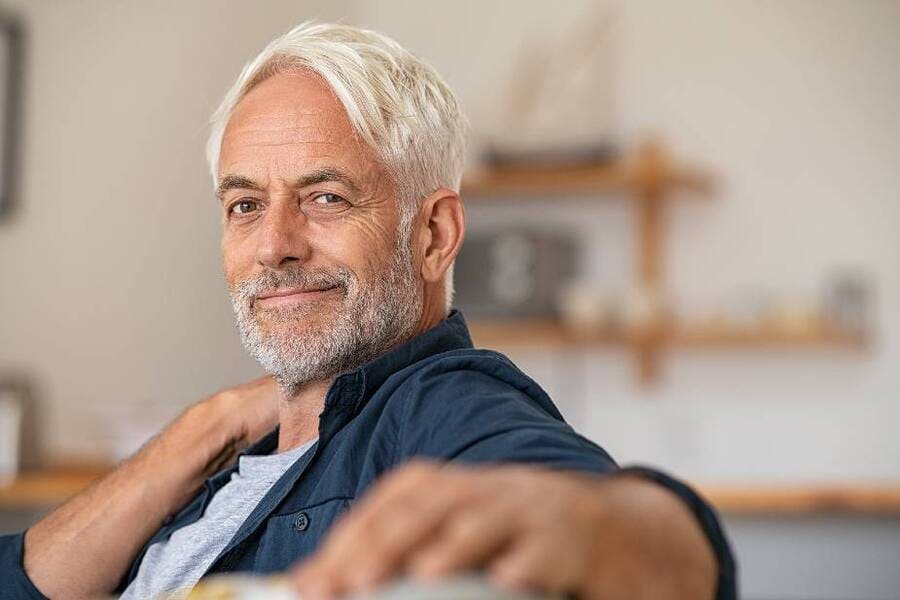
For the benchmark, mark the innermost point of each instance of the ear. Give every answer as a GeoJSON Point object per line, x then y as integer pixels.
{"type": "Point", "coordinates": [442, 227]}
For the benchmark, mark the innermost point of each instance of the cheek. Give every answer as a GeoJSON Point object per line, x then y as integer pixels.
{"type": "Point", "coordinates": [361, 247]}
{"type": "Point", "coordinates": [237, 261]}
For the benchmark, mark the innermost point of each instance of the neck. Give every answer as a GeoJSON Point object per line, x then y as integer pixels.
{"type": "Point", "coordinates": [433, 310]}
{"type": "Point", "coordinates": [298, 414]}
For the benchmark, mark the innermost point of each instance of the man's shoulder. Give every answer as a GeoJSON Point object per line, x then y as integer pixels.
{"type": "Point", "coordinates": [466, 375]}
{"type": "Point", "coordinates": [477, 406]}
{"type": "Point", "coordinates": [481, 360]}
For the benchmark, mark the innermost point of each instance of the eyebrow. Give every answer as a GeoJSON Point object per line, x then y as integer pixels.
{"type": "Point", "coordinates": [240, 182]}
{"type": "Point", "coordinates": [235, 182]}
{"type": "Point", "coordinates": [326, 174]}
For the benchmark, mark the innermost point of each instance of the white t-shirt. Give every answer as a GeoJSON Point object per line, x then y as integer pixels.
{"type": "Point", "coordinates": [177, 564]}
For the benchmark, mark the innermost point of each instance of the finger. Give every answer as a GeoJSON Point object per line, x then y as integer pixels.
{"type": "Point", "coordinates": [389, 492]}
{"type": "Point", "coordinates": [370, 543]}
{"type": "Point", "coordinates": [466, 541]}
{"type": "Point", "coordinates": [404, 483]}
{"type": "Point", "coordinates": [388, 526]}
{"type": "Point", "coordinates": [379, 551]}
{"type": "Point", "coordinates": [536, 564]}
{"type": "Point", "coordinates": [315, 580]}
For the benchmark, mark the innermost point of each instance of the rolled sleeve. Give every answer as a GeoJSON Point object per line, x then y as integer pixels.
{"type": "Point", "coordinates": [16, 584]}
{"type": "Point", "coordinates": [726, 588]}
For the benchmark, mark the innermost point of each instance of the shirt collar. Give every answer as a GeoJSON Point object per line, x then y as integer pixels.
{"type": "Point", "coordinates": [452, 333]}
{"type": "Point", "coordinates": [351, 390]}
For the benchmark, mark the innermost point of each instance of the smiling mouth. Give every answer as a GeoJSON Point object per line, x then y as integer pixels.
{"type": "Point", "coordinates": [292, 296]}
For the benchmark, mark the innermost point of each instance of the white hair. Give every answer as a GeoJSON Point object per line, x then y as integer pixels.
{"type": "Point", "coordinates": [397, 104]}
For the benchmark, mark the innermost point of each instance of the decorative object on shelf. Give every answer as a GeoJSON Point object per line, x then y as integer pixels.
{"type": "Point", "coordinates": [513, 272]}
{"type": "Point", "coordinates": [587, 311]}
{"type": "Point", "coordinates": [559, 107]}
{"type": "Point", "coordinates": [11, 409]}
{"type": "Point", "coordinates": [21, 389]}
{"type": "Point", "coordinates": [848, 299]}
{"type": "Point", "coordinates": [548, 158]}
{"type": "Point", "coordinates": [746, 309]}
{"type": "Point", "coordinates": [10, 78]}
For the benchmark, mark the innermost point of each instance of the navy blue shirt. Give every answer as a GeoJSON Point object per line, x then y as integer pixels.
{"type": "Point", "coordinates": [435, 397]}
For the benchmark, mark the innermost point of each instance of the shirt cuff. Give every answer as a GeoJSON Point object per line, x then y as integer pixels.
{"type": "Point", "coordinates": [16, 583]}
{"type": "Point", "coordinates": [726, 589]}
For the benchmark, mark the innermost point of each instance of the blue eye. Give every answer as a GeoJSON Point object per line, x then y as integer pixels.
{"type": "Point", "coordinates": [328, 199]}
{"type": "Point", "coordinates": [243, 207]}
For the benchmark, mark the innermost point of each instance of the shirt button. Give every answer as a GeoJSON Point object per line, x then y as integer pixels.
{"type": "Point", "coordinates": [301, 522]}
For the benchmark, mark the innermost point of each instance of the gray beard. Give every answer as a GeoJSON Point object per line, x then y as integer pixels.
{"type": "Point", "coordinates": [362, 324]}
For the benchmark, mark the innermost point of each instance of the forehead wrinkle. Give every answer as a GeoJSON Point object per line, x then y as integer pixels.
{"type": "Point", "coordinates": [276, 115]}
{"type": "Point", "coordinates": [296, 120]}
{"type": "Point", "coordinates": [281, 136]}
{"type": "Point", "coordinates": [278, 144]}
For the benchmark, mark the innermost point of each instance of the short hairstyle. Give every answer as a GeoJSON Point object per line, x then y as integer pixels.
{"type": "Point", "coordinates": [397, 103]}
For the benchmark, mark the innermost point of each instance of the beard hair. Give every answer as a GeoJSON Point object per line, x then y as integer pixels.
{"type": "Point", "coordinates": [368, 321]}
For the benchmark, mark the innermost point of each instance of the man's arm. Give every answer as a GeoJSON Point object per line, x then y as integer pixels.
{"type": "Point", "coordinates": [593, 536]}
{"type": "Point", "coordinates": [564, 516]}
{"type": "Point", "coordinates": [84, 546]}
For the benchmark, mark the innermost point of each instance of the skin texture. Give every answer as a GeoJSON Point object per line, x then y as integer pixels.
{"type": "Point", "coordinates": [283, 133]}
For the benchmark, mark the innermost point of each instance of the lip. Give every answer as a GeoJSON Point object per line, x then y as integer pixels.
{"type": "Point", "coordinates": [291, 296]}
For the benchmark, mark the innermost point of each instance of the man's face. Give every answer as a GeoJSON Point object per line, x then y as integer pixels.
{"type": "Point", "coordinates": [319, 278]}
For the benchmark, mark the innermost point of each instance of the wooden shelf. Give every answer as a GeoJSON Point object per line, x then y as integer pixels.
{"type": "Point", "coordinates": [766, 336]}
{"type": "Point", "coordinates": [800, 500]}
{"type": "Point", "coordinates": [45, 489]}
{"type": "Point", "coordinates": [623, 176]}
{"type": "Point", "coordinates": [647, 178]}
{"type": "Point", "coordinates": [537, 333]}
{"type": "Point", "coordinates": [532, 182]}
{"type": "Point", "coordinates": [551, 334]}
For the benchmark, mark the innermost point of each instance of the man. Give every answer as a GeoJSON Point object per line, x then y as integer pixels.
{"type": "Point", "coordinates": [337, 158]}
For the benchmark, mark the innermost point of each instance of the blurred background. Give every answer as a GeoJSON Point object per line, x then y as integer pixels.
{"type": "Point", "coordinates": [684, 223]}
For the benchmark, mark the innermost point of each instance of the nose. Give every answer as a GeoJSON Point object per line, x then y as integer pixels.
{"type": "Point", "coordinates": [282, 237]}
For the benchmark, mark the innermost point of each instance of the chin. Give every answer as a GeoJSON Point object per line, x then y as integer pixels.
{"type": "Point", "coordinates": [300, 316]}
{"type": "Point", "coordinates": [293, 328]}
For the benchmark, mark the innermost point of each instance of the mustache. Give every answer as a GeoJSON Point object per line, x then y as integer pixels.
{"type": "Point", "coordinates": [270, 281]}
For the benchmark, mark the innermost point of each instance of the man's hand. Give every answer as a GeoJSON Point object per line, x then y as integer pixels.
{"type": "Point", "coordinates": [83, 548]}
{"type": "Point", "coordinates": [614, 537]}
{"type": "Point", "coordinates": [242, 415]}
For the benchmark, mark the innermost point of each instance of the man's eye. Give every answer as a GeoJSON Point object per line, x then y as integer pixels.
{"type": "Point", "coordinates": [328, 199]}
{"type": "Point", "coordinates": [243, 207]}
